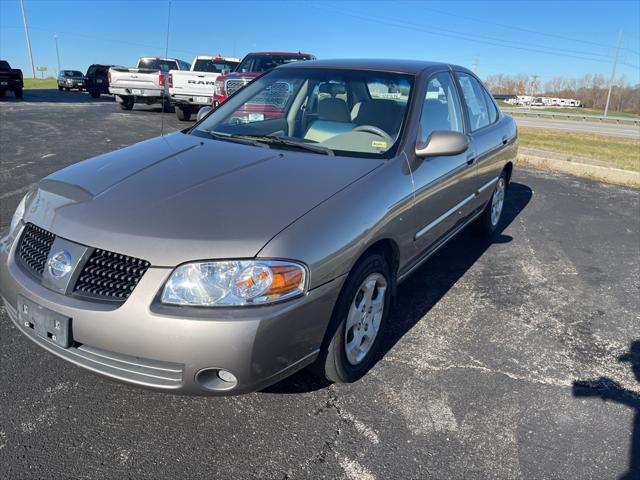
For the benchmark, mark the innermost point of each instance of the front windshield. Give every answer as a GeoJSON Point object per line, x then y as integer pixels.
{"type": "Point", "coordinates": [262, 63]}
{"type": "Point", "coordinates": [349, 112]}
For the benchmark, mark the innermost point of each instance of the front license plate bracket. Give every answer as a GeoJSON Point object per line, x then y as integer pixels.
{"type": "Point", "coordinates": [47, 324]}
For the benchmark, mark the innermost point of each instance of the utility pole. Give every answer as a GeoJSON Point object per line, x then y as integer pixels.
{"type": "Point", "coordinates": [534, 85]}
{"type": "Point", "coordinates": [474, 66]}
{"type": "Point", "coordinates": [57, 53]}
{"type": "Point", "coordinates": [26, 31]}
{"type": "Point", "coordinates": [613, 72]}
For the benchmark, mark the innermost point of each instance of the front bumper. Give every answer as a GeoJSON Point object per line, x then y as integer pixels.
{"type": "Point", "coordinates": [163, 347]}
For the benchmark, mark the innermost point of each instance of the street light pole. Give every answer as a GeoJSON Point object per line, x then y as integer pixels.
{"type": "Point", "coordinates": [26, 32]}
{"type": "Point", "coordinates": [57, 53]}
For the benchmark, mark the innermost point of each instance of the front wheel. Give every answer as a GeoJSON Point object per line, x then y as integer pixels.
{"type": "Point", "coordinates": [358, 322]}
{"type": "Point", "coordinates": [489, 220]}
{"type": "Point", "coordinates": [59, 88]}
{"type": "Point", "coordinates": [94, 94]}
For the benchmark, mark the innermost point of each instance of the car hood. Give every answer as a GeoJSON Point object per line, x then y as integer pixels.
{"type": "Point", "coordinates": [179, 198]}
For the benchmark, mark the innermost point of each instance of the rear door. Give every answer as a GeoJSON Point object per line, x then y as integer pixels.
{"type": "Point", "coordinates": [444, 186]}
{"type": "Point", "coordinates": [488, 137]}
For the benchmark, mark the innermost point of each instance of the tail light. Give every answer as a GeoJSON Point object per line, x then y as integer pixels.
{"type": "Point", "coordinates": [109, 76]}
{"type": "Point", "coordinates": [218, 88]}
{"type": "Point", "coordinates": [161, 79]}
{"type": "Point", "coordinates": [170, 80]}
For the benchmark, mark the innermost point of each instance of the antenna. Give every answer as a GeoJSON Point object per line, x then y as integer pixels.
{"type": "Point", "coordinates": [166, 55]}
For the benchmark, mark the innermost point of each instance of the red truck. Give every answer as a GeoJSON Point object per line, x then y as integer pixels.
{"type": "Point", "coordinates": [252, 66]}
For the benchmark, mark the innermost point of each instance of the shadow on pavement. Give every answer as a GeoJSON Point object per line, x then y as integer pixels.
{"type": "Point", "coordinates": [413, 302]}
{"type": "Point", "coordinates": [55, 96]}
{"type": "Point", "coordinates": [610, 390]}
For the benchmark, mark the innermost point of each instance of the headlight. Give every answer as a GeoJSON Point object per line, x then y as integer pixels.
{"type": "Point", "coordinates": [234, 283]}
{"type": "Point", "coordinates": [17, 216]}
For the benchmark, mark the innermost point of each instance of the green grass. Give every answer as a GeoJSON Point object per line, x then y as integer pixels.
{"type": "Point", "coordinates": [618, 152]}
{"type": "Point", "coordinates": [40, 83]}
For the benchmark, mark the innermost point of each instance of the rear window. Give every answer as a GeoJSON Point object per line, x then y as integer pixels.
{"type": "Point", "coordinates": [213, 66]}
{"type": "Point", "coordinates": [97, 71]}
{"type": "Point", "coordinates": [262, 63]}
{"type": "Point", "coordinates": [389, 88]}
{"type": "Point", "coordinates": [158, 64]}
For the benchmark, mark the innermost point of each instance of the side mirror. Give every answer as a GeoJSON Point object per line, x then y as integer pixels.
{"type": "Point", "coordinates": [203, 113]}
{"type": "Point", "coordinates": [442, 143]}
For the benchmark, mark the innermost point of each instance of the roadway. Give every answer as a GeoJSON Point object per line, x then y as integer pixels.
{"type": "Point", "coordinates": [577, 126]}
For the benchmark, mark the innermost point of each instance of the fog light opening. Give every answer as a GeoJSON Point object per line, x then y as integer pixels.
{"type": "Point", "coordinates": [216, 379]}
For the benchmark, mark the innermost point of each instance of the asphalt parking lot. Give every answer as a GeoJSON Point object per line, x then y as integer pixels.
{"type": "Point", "coordinates": [477, 381]}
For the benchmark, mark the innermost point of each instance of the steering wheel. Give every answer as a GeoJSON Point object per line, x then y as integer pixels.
{"type": "Point", "coordinates": [376, 131]}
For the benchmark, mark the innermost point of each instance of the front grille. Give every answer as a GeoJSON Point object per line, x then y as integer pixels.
{"type": "Point", "coordinates": [110, 275]}
{"type": "Point", "coordinates": [34, 248]}
{"type": "Point", "coordinates": [232, 86]}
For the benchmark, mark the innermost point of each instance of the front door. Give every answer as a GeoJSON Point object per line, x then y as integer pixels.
{"type": "Point", "coordinates": [444, 186]}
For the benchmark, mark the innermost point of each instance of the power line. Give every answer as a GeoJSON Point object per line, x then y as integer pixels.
{"type": "Point", "coordinates": [537, 32]}
{"type": "Point", "coordinates": [476, 38]}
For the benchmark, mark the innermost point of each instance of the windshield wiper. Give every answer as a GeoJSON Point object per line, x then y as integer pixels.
{"type": "Point", "coordinates": [228, 137]}
{"type": "Point", "coordinates": [273, 140]}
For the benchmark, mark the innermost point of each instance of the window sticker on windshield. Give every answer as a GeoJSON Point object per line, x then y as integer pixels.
{"type": "Point", "coordinates": [379, 144]}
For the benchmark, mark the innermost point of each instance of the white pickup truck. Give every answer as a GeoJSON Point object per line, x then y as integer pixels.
{"type": "Point", "coordinates": [190, 90]}
{"type": "Point", "coordinates": [145, 83]}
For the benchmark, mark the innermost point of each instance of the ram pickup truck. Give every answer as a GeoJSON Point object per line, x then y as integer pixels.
{"type": "Point", "coordinates": [145, 83]}
{"type": "Point", "coordinates": [10, 79]}
{"type": "Point", "coordinates": [189, 90]}
{"type": "Point", "coordinates": [252, 66]}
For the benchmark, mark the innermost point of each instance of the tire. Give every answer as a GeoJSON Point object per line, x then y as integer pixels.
{"type": "Point", "coordinates": [489, 220]}
{"type": "Point", "coordinates": [2, 93]}
{"type": "Point", "coordinates": [347, 354]}
{"type": "Point", "coordinates": [183, 113]}
{"type": "Point", "coordinates": [167, 107]}
{"type": "Point", "coordinates": [94, 94]}
{"type": "Point", "coordinates": [18, 93]}
{"type": "Point", "coordinates": [126, 103]}
{"type": "Point", "coordinates": [67, 89]}
{"type": "Point", "coordinates": [59, 88]}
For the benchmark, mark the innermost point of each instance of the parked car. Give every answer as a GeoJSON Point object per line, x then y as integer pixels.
{"type": "Point", "coordinates": [70, 80]}
{"type": "Point", "coordinates": [252, 65]}
{"type": "Point", "coordinates": [10, 79]}
{"type": "Point", "coordinates": [145, 83]}
{"type": "Point", "coordinates": [223, 258]}
{"type": "Point", "coordinates": [96, 80]}
{"type": "Point", "coordinates": [190, 89]}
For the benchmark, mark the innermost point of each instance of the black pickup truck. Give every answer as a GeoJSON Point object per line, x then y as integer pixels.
{"type": "Point", "coordinates": [10, 79]}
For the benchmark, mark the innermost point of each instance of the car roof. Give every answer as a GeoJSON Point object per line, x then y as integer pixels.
{"type": "Point", "coordinates": [293, 54]}
{"type": "Point", "coordinates": [385, 65]}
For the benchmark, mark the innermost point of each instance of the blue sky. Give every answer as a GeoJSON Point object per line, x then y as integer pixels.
{"type": "Point", "coordinates": [547, 38]}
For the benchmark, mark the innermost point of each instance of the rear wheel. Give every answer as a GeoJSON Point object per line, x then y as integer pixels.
{"type": "Point", "coordinates": [183, 113]}
{"type": "Point", "coordinates": [18, 92]}
{"type": "Point", "coordinates": [2, 93]}
{"type": "Point", "coordinates": [358, 322]}
{"type": "Point", "coordinates": [126, 103]}
{"type": "Point", "coordinates": [489, 220]}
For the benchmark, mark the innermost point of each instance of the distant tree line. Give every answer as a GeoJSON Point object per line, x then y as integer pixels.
{"type": "Point", "coordinates": [590, 89]}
